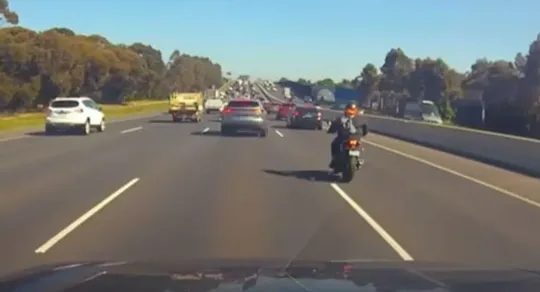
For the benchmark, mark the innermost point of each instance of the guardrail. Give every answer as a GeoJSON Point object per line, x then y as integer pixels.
{"type": "Point", "coordinates": [511, 152]}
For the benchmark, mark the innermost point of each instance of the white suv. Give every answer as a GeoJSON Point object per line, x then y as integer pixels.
{"type": "Point", "coordinates": [80, 113]}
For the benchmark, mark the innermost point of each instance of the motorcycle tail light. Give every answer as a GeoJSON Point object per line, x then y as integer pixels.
{"type": "Point", "coordinates": [353, 143]}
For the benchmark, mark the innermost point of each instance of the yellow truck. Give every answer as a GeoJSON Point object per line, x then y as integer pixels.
{"type": "Point", "coordinates": [186, 106]}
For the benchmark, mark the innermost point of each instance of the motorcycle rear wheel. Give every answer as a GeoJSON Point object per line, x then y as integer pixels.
{"type": "Point", "coordinates": [348, 170]}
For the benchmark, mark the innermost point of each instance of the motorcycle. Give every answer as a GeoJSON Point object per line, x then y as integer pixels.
{"type": "Point", "coordinates": [350, 158]}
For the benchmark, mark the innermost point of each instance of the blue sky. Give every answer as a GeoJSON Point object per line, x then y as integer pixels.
{"type": "Point", "coordinates": [300, 38]}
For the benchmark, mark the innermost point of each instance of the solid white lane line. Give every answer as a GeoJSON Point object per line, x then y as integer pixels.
{"type": "Point", "coordinates": [71, 227]}
{"type": "Point", "coordinates": [279, 133]}
{"type": "Point", "coordinates": [464, 176]}
{"type": "Point", "coordinates": [385, 235]}
{"type": "Point", "coordinates": [131, 130]}
{"type": "Point", "coordinates": [206, 130]}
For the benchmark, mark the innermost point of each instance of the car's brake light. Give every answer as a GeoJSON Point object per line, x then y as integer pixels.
{"type": "Point", "coordinates": [227, 110]}
{"type": "Point", "coordinates": [78, 110]}
{"type": "Point", "coordinates": [319, 115]}
{"type": "Point", "coordinates": [296, 113]}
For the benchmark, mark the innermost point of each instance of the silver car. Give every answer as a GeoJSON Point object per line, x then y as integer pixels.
{"type": "Point", "coordinates": [244, 115]}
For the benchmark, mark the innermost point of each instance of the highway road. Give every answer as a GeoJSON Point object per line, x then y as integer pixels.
{"type": "Point", "coordinates": [151, 189]}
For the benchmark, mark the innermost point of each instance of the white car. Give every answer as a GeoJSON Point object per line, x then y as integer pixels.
{"type": "Point", "coordinates": [214, 105]}
{"type": "Point", "coordinates": [79, 113]}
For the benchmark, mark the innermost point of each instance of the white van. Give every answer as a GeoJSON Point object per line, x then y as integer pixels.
{"type": "Point", "coordinates": [424, 110]}
{"type": "Point", "coordinates": [213, 105]}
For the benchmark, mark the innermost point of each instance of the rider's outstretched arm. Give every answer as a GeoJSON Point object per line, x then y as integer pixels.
{"type": "Point", "coordinates": [333, 127]}
{"type": "Point", "coordinates": [359, 123]}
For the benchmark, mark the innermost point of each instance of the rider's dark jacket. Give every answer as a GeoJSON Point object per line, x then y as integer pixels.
{"type": "Point", "coordinates": [345, 126]}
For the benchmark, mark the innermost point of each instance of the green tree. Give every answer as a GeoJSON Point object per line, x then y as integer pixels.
{"type": "Point", "coordinates": [368, 82]}
{"type": "Point", "coordinates": [7, 15]}
{"type": "Point", "coordinates": [304, 81]}
{"type": "Point", "coordinates": [395, 71]}
{"type": "Point", "coordinates": [36, 67]}
{"type": "Point", "coordinates": [346, 83]}
{"type": "Point", "coordinates": [428, 80]}
{"type": "Point", "coordinates": [528, 98]}
{"type": "Point", "coordinates": [510, 90]}
{"type": "Point", "coordinates": [520, 62]}
{"type": "Point", "coordinates": [327, 82]}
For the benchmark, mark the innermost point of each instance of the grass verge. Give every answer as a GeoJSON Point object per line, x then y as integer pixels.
{"type": "Point", "coordinates": [25, 120]}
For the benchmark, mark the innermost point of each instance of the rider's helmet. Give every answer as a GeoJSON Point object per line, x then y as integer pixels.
{"type": "Point", "coordinates": [351, 109]}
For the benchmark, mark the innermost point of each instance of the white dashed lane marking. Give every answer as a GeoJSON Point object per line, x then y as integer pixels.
{"type": "Point", "coordinates": [71, 227]}
{"type": "Point", "coordinates": [378, 228]}
{"type": "Point", "coordinates": [131, 130]}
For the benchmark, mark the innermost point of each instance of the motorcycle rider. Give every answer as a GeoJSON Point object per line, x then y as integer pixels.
{"type": "Point", "coordinates": [345, 126]}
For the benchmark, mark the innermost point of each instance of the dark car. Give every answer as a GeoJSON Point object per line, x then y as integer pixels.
{"type": "Point", "coordinates": [305, 117]}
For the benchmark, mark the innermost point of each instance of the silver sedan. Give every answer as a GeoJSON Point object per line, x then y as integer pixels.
{"type": "Point", "coordinates": [244, 115]}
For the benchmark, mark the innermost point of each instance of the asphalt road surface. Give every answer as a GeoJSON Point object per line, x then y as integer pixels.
{"type": "Point", "coordinates": [151, 189]}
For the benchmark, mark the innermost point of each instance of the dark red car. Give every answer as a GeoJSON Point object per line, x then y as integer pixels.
{"type": "Point", "coordinates": [305, 117]}
{"type": "Point", "coordinates": [284, 110]}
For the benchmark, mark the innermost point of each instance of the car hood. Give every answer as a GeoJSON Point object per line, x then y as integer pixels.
{"type": "Point", "coordinates": [268, 275]}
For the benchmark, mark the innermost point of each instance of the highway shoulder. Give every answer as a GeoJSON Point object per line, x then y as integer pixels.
{"type": "Point", "coordinates": [503, 181]}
